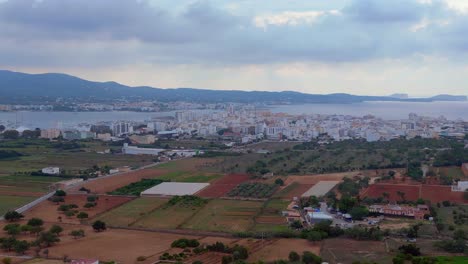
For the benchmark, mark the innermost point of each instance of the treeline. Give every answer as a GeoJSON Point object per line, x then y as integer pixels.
{"type": "Point", "coordinates": [214, 154]}
{"type": "Point", "coordinates": [358, 154]}
{"type": "Point", "coordinates": [398, 143]}
{"type": "Point", "coordinates": [8, 154]}
{"type": "Point", "coordinates": [136, 188]}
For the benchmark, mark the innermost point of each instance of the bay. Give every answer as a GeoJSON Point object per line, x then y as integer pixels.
{"type": "Point", "coordinates": [384, 110]}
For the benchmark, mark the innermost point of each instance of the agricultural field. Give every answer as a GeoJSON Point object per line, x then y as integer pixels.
{"type": "Point", "coordinates": [222, 186]}
{"type": "Point", "coordinates": [225, 216]}
{"type": "Point", "coordinates": [280, 248]}
{"type": "Point", "coordinates": [451, 172]}
{"type": "Point", "coordinates": [48, 211]}
{"type": "Point", "coordinates": [71, 157]}
{"type": "Point", "coordinates": [109, 184]}
{"type": "Point", "coordinates": [8, 203]}
{"type": "Point", "coordinates": [292, 190]}
{"type": "Point", "coordinates": [253, 190]}
{"type": "Point", "coordinates": [270, 219]}
{"type": "Point", "coordinates": [172, 214]}
{"type": "Point", "coordinates": [452, 260]}
{"type": "Point", "coordinates": [455, 216]}
{"type": "Point", "coordinates": [129, 213]}
{"type": "Point", "coordinates": [135, 188]}
{"type": "Point", "coordinates": [340, 250]}
{"type": "Point", "coordinates": [202, 165]}
{"type": "Point", "coordinates": [26, 185]}
{"type": "Point", "coordinates": [189, 176]}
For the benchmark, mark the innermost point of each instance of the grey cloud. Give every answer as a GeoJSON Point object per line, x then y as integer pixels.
{"type": "Point", "coordinates": [207, 34]}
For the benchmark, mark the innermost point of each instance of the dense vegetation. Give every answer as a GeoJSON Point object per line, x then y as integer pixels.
{"type": "Point", "coordinates": [213, 154]}
{"type": "Point", "coordinates": [136, 188]}
{"type": "Point", "coordinates": [358, 154]}
{"type": "Point", "coordinates": [187, 201]}
{"type": "Point", "coordinates": [254, 190]}
{"type": "Point", "coordinates": [8, 154]}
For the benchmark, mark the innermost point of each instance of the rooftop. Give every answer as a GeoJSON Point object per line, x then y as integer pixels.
{"type": "Point", "coordinates": [175, 188]}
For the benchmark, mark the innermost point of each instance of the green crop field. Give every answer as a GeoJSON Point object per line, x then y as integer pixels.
{"type": "Point", "coordinates": [459, 219]}
{"type": "Point", "coordinates": [128, 213]}
{"type": "Point", "coordinates": [270, 228]}
{"type": "Point", "coordinates": [452, 260]}
{"type": "Point", "coordinates": [225, 216]}
{"type": "Point", "coordinates": [38, 154]}
{"type": "Point", "coordinates": [171, 215]}
{"type": "Point", "coordinates": [26, 183]}
{"type": "Point", "coordinates": [275, 207]}
{"type": "Point", "coordinates": [8, 203]}
{"type": "Point", "coordinates": [189, 176]}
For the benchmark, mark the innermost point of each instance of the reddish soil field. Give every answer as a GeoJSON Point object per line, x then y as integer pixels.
{"type": "Point", "coordinates": [273, 250]}
{"type": "Point", "coordinates": [122, 246]}
{"type": "Point", "coordinates": [48, 212]}
{"type": "Point", "coordinates": [433, 193]}
{"type": "Point", "coordinates": [412, 192]}
{"type": "Point", "coordinates": [439, 193]}
{"type": "Point", "coordinates": [296, 191]}
{"type": "Point", "coordinates": [110, 183]}
{"type": "Point", "coordinates": [271, 220]}
{"type": "Point", "coordinates": [223, 185]}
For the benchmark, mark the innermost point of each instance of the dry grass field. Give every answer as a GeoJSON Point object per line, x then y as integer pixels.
{"type": "Point", "coordinates": [48, 210]}
{"type": "Point", "coordinates": [225, 216]}
{"type": "Point", "coordinates": [128, 213]}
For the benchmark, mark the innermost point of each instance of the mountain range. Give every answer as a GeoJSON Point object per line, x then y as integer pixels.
{"type": "Point", "coordinates": [16, 87]}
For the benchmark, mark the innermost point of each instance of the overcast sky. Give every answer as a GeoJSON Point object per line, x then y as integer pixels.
{"type": "Point", "coordinates": [374, 47]}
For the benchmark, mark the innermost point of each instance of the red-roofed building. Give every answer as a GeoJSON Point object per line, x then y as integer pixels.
{"type": "Point", "coordinates": [400, 210]}
{"type": "Point", "coordinates": [464, 168]}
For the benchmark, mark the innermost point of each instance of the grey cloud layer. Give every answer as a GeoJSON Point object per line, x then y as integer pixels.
{"type": "Point", "coordinates": [207, 33]}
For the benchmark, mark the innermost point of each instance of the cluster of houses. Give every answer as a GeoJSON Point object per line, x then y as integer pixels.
{"type": "Point", "coordinates": [244, 124]}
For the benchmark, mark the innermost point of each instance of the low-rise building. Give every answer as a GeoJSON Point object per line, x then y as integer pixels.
{"type": "Point", "coordinates": [131, 150]}
{"type": "Point", "coordinates": [104, 137]}
{"type": "Point", "coordinates": [71, 135]}
{"type": "Point", "coordinates": [417, 212]}
{"type": "Point", "coordinates": [51, 170]}
{"type": "Point", "coordinates": [317, 217]}
{"type": "Point", "coordinates": [50, 133]}
{"type": "Point", "coordinates": [460, 187]}
{"type": "Point", "coordinates": [464, 168]}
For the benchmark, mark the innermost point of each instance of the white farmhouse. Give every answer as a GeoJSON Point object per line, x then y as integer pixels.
{"type": "Point", "coordinates": [51, 170]}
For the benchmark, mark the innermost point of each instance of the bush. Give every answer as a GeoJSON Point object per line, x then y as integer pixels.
{"type": "Point", "coordinates": [294, 256]}
{"type": "Point", "coordinates": [184, 243]}
{"type": "Point", "coordinates": [410, 249]}
{"type": "Point", "coordinates": [13, 216]}
{"type": "Point", "coordinates": [279, 182]}
{"type": "Point", "coordinates": [310, 258]}
{"type": "Point", "coordinates": [35, 222]}
{"type": "Point", "coordinates": [99, 226]}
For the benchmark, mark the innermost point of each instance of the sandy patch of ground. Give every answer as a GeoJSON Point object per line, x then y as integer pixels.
{"type": "Point", "coordinates": [48, 212]}
{"type": "Point", "coordinates": [280, 249]}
